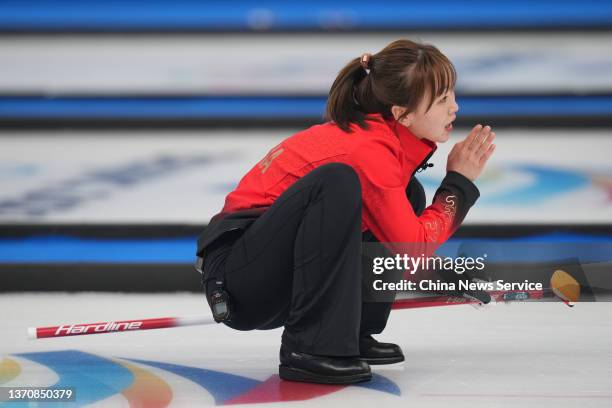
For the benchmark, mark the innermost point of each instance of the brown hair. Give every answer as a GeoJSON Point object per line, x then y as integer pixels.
{"type": "Point", "coordinates": [402, 74]}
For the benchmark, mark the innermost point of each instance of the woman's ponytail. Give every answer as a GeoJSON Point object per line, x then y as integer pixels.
{"type": "Point", "coordinates": [342, 107]}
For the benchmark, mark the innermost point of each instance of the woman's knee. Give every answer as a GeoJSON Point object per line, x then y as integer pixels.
{"type": "Point", "coordinates": [341, 178]}
{"type": "Point", "coordinates": [416, 195]}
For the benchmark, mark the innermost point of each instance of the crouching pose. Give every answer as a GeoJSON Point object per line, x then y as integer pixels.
{"type": "Point", "coordinates": [285, 250]}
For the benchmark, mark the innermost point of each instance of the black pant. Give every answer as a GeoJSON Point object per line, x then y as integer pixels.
{"type": "Point", "coordinates": [299, 266]}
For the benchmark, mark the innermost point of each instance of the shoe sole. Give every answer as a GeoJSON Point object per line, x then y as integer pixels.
{"type": "Point", "coordinates": [381, 361]}
{"type": "Point", "coordinates": [295, 374]}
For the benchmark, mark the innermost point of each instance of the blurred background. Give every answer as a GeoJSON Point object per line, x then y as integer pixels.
{"type": "Point", "coordinates": [123, 124]}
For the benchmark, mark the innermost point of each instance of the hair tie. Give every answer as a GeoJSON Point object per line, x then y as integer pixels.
{"type": "Point", "coordinates": [365, 61]}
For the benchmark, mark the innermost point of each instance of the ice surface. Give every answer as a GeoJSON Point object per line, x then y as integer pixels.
{"type": "Point", "coordinates": [528, 355]}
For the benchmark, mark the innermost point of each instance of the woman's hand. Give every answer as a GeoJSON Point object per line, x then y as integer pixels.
{"type": "Point", "coordinates": [469, 156]}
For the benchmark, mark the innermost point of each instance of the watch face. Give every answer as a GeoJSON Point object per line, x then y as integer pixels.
{"type": "Point", "coordinates": [220, 308]}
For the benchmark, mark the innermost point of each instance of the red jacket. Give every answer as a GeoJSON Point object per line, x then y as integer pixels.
{"type": "Point", "coordinates": [385, 157]}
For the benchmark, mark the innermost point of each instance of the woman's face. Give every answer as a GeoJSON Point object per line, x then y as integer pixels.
{"type": "Point", "coordinates": [434, 124]}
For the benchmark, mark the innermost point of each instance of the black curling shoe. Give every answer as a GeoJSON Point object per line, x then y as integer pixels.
{"type": "Point", "coordinates": [296, 366]}
{"type": "Point", "coordinates": [373, 352]}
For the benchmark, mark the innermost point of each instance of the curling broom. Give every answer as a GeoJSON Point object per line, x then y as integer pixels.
{"type": "Point", "coordinates": [562, 286]}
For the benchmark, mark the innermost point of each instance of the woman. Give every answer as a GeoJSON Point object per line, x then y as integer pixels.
{"type": "Point", "coordinates": [286, 248]}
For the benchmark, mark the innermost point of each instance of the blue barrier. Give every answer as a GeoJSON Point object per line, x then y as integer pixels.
{"type": "Point", "coordinates": [181, 15]}
{"type": "Point", "coordinates": [63, 249]}
{"type": "Point", "coordinates": [270, 108]}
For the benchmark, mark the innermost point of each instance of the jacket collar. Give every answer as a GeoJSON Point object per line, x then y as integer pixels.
{"type": "Point", "coordinates": [417, 150]}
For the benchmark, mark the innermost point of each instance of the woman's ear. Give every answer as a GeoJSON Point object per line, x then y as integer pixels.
{"type": "Point", "coordinates": [398, 111]}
